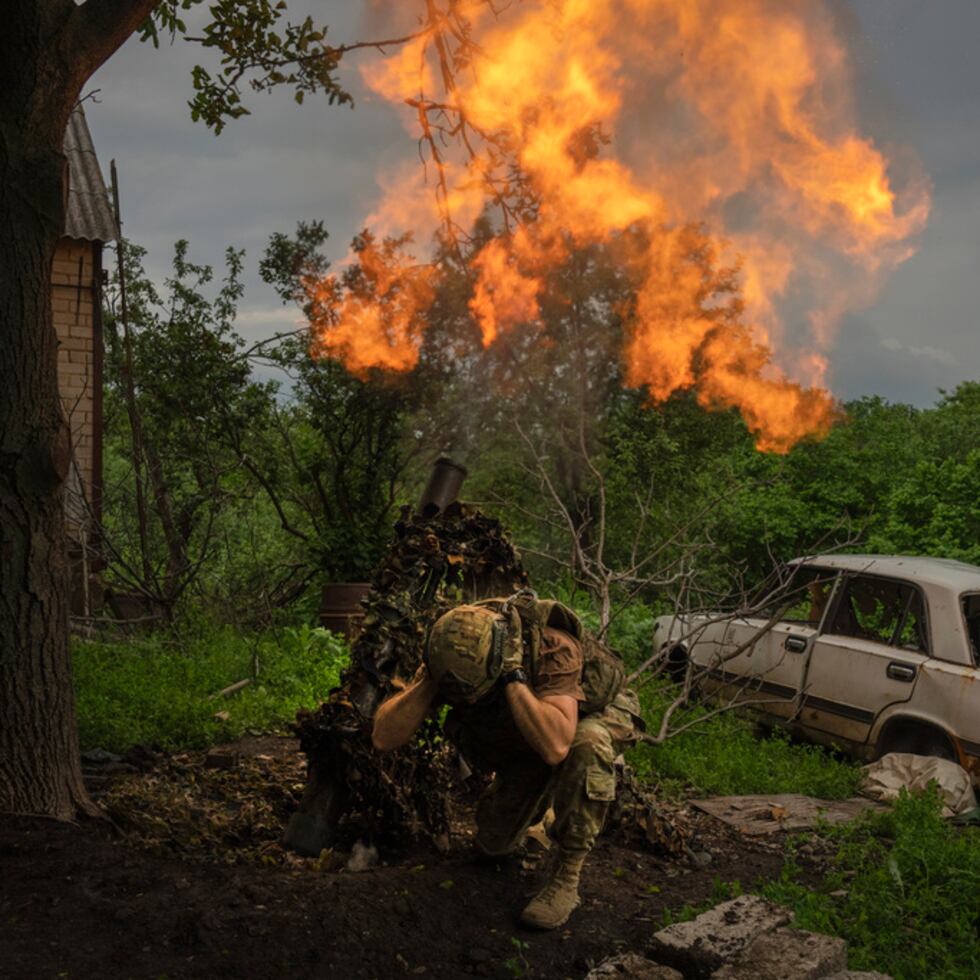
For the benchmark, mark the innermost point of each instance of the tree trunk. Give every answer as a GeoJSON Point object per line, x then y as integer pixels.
{"type": "Point", "coordinates": [48, 49]}
{"type": "Point", "coordinates": [40, 770]}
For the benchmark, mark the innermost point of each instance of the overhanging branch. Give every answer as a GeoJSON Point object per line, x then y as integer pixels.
{"type": "Point", "coordinates": [98, 28]}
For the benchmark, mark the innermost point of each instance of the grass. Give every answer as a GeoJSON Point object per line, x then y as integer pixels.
{"type": "Point", "coordinates": [155, 690]}
{"type": "Point", "coordinates": [723, 756]}
{"type": "Point", "coordinates": [721, 891]}
{"type": "Point", "coordinates": [904, 893]}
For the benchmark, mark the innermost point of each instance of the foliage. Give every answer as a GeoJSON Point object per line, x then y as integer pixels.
{"type": "Point", "coordinates": [256, 41]}
{"type": "Point", "coordinates": [225, 490]}
{"type": "Point", "coordinates": [337, 457]}
{"type": "Point", "coordinates": [723, 756]}
{"type": "Point", "coordinates": [935, 510]}
{"type": "Point", "coordinates": [601, 489]}
{"type": "Point", "coordinates": [630, 631]}
{"type": "Point", "coordinates": [177, 383]}
{"type": "Point", "coordinates": [517, 965]}
{"type": "Point", "coordinates": [904, 892]}
{"type": "Point", "coordinates": [155, 690]}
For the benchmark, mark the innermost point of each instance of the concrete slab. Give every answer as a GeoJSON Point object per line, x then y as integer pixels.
{"type": "Point", "coordinates": [759, 815]}
{"type": "Point", "coordinates": [787, 954]}
{"type": "Point", "coordinates": [702, 946]}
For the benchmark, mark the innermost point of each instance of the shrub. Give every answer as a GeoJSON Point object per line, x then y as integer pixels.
{"type": "Point", "coordinates": [155, 690]}
{"type": "Point", "coordinates": [723, 755]}
{"type": "Point", "coordinates": [904, 893]}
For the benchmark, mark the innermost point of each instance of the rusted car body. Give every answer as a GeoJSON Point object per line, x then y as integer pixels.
{"type": "Point", "coordinates": [871, 653]}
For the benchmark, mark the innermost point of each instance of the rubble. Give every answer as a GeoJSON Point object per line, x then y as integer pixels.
{"type": "Point", "coordinates": [787, 954]}
{"type": "Point", "coordinates": [749, 938]}
{"type": "Point", "coordinates": [634, 967]}
{"type": "Point", "coordinates": [781, 812]}
{"type": "Point", "coordinates": [221, 759]}
{"type": "Point", "coordinates": [702, 946]}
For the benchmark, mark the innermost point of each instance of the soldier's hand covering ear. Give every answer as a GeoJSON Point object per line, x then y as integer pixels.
{"type": "Point", "coordinates": [514, 646]}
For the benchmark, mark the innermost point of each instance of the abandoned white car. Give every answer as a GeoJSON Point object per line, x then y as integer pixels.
{"type": "Point", "coordinates": [874, 654]}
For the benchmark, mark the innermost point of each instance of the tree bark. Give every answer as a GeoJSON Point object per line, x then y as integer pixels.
{"type": "Point", "coordinates": [48, 48]}
{"type": "Point", "coordinates": [39, 761]}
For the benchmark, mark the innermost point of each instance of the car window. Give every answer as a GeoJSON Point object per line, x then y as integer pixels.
{"type": "Point", "coordinates": [804, 598]}
{"type": "Point", "coordinates": [881, 610]}
{"type": "Point", "coordinates": [971, 612]}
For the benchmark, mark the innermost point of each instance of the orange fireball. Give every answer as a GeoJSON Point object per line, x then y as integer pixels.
{"type": "Point", "coordinates": [583, 120]}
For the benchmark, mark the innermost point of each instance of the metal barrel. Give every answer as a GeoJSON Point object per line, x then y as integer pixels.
{"type": "Point", "coordinates": [340, 606]}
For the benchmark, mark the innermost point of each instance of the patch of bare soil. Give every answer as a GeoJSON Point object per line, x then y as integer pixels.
{"type": "Point", "coordinates": [197, 886]}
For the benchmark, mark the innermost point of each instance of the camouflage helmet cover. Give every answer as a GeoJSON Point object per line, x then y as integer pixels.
{"type": "Point", "coordinates": [465, 651]}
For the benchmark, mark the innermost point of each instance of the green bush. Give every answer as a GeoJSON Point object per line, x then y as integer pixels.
{"type": "Point", "coordinates": [904, 893]}
{"type": "Point", "coordinates": [155, 690]}
{"type": "Point", "coordinates": [630, 632]}
{"type": "Point", "coordinates": [723, 755]}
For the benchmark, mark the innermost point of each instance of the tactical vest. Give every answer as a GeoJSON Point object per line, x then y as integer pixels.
{"type": "Point", "coordinates": [603, 671]}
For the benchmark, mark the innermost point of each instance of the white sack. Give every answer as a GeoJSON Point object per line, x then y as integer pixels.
{"type": "Point", "coordinates": [885, 778]}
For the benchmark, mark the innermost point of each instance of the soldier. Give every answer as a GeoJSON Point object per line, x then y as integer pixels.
{"type": "Point", "coordinates": [539, 701]}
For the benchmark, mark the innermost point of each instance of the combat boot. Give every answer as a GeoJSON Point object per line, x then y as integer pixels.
{"type": "Point", "coordinates": [552, 906]}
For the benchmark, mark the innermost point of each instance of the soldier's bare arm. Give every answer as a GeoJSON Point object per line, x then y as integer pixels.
{"type": "Point", "coordinates": [398, 718]}
{"type": "Point", "coordinates": [548, 724]}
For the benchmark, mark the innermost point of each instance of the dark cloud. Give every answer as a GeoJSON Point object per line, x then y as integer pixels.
{"type": "Point", "coordinates": [865, 363]}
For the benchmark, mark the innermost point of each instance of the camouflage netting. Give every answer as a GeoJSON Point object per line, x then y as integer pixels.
{"type": "Point", "coordinates": [432, 565]}
{"type": "Point", "coordinates": [637, 819]}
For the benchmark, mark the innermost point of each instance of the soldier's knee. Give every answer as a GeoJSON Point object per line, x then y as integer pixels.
{"type": "Point", "coordinates": [591, 742]}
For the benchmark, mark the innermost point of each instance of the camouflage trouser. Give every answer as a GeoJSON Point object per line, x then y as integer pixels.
{"type": "Point", "coordinates": [579, 789]}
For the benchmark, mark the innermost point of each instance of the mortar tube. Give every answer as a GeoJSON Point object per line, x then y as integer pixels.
{"type": "Point", "coordinates": [445, 482]}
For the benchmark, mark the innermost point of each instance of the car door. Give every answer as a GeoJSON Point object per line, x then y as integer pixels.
{"type": "Point", "coordinates": [868, 656]}
{"type": "Point", "coordinates": [768, 662]}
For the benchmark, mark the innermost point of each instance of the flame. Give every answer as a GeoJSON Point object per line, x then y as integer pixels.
{"type": "Point", "coordinates": [733, 113]}
{"type": "Point", "coordinates": [503, 296]}
{"type": "Point", "coordinates": [778, 411]}
{"type": "Point", "coordinates": [373, 319]}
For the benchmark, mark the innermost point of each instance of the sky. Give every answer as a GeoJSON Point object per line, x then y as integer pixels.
{"type": "Point", "coordinates": [917, 86]}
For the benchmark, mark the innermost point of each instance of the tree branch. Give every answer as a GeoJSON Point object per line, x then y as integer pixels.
{"type": "Point", "coordinates": [98, 28]}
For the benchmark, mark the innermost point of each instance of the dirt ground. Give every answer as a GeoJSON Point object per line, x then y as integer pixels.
{"type": "Point", "coordinates": [198, 887]}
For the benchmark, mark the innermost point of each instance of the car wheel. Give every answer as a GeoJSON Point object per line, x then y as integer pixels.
{"type": "Point", "coordinates": [917, 740]}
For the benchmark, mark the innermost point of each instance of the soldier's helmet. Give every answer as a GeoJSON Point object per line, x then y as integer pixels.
{"type": "Point", "coordinates": [465, 651]}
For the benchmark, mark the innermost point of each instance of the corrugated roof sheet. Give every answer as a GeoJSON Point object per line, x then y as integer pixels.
{"type": "Point", "coordinates": [89, 211]}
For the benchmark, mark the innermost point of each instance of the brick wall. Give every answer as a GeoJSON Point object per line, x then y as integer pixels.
{"type": "Point", "coordinates": [75, 320]}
